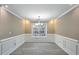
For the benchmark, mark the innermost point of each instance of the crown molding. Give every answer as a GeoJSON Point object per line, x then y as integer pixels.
{"type": "Point", "coordinates": [13, 13]}
{"type": "Point", "coordinates": [67, 11]}
{"type": "Point", "coordinates": [56, 18]}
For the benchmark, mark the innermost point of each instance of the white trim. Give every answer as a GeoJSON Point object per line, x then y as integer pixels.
{"type": "Point", "coordinates": [11, 50]}
{"type": "Point", "coordinates": [13, 44]}
{"type": "Point", "coordinates": [13, 13]}
{"type": "Point", "coordinates": [0, 48]}
{"type": "Point", "coordinates": [56, 18]}
{"type": "Point", "coordinates": [75, 40]}
{"type": "Point", "coordinates": [50, 38]}
{"type": "Point", "coordinates": [2, 40]}
{"type": "Point", "coordinates": [69, 45]}
{"type": "Point", "coordinates": [67, 11]}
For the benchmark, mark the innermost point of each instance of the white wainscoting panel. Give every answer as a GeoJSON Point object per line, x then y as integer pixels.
{"type": "Point", "coordinates": [67, 44]}
{"type": "Point", "coordinates": [10, 44]}
{"type": "Point", "coordinates": [71, 46]}
{"type": "Point", "coordinates": [48, 38]}
{"type": "Point", "coordinates": [78, 49]}
{"type": "Point", "coordinates": [0, 48]}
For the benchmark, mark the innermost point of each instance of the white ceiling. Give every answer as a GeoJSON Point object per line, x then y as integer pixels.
{"type": "Point", "coordinates": [45, 11]}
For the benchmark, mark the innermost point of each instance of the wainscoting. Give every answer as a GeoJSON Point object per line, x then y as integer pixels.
{"type": "Point", "coordinates": [8, 45]}
{"type": "Point", "coordinates": [0, 48]}
{"type": "Point", "coordinates": [69, 45]}
{"type": "Point", "coordinates": [48, 38]}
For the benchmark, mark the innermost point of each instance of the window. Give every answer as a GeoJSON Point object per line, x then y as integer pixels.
{"type": "Point", "coordinates": [39, 29]}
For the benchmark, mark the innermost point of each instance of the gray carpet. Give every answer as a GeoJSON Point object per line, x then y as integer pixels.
{"type": "Point", "coordinates": [39, 49]}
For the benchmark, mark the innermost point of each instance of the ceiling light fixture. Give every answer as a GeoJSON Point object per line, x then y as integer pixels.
{"type": "Point", "coordinates": [39, 19]}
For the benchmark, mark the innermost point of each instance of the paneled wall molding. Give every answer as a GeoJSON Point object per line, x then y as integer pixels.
{"type": "Point", "coordinates": [9, 45]}
{"type": "Point", "coordinates": [69, 45]}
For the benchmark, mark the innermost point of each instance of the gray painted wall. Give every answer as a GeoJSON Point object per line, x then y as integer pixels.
{"type": "Point", "coordinates": [10, 25]}
{"type": "Point", "coordinates": [68, 25]}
